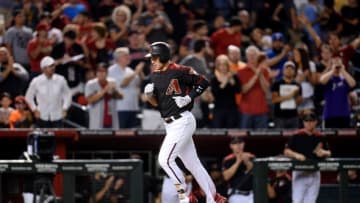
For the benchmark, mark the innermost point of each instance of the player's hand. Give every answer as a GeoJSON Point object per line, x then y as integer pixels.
{"type": "Point", "coordinates": [182, 101]}
{"type": "Point", "coordinates": [149, 89]}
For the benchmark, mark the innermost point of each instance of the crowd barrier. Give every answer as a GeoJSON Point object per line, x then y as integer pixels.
{"type": "Point", "coordinates": [262, 165]}
{"type": "Point", "coordinates": [71, 168]}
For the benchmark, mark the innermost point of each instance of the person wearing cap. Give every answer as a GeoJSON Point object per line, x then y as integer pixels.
{"type": "Point", "coordinates": [38, 48]}
{"type": "Point", "coordinates": [21, 117]}
{"type": "Point", "coordinates": [237, 168]}
{"type": "Point", "coordinates": [13, 76]}
{"type": "Point", "coordinates": [286, 96]}
{"type": "Point", "coordinates": [16, 39]}
{"type": "Point", "coordinates": [52, 95]}
{"type": "Point", "coordinates": [278, 54]}
{"type": "Point", "coordinates": [102, 94]}
{"type": "Point", "coordinates": [306, 144]}
{"type": "Point", "coordinates": [223, 37]}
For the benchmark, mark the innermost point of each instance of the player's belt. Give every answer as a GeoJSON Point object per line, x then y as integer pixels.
{"type": "Point", "coordinates": [170, 119]}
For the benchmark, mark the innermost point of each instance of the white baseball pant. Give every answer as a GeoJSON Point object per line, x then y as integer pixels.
{"type": "Point", "coordinates": [237, 198]}
{"type": "Point", "coordinates": [178, 142]}
{"type": "Point", "coordinates": [305, 186]}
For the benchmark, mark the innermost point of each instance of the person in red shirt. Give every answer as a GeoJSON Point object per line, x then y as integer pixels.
{"type": "Point", "coordinates": [255, 83]}
{"type": "Point", "coordinates": [223, 37]}
{"type": "Point", "coordinates": [38, 48]}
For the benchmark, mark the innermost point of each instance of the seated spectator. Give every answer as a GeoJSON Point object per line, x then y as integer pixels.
{"type": "Point", "coordinates": [21, 117]}
{"type": "Point", "coordinates": [224, 86]}
{"type": "Point", "coordinates": [352, 177]}
{"type": "Point", "coordinates": [286, 96]}
{"type": "Point", "coordinates": [279, 188]}
{"type": "Point", "coordinates": [5, 110]}
{"type": "Point", "coordinates": [108, 188]}
{"type": "Point", "coordinates": [101, 94]}
{"type": "Point", "coordinates": [338, 83]}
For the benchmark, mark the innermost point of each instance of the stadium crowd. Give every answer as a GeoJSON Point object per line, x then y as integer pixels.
{"type": "Point", "coordinates": [268, 61]}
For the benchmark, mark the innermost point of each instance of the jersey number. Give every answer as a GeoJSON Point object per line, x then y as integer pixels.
{"type": "Point", "coordinates": [173, 88]}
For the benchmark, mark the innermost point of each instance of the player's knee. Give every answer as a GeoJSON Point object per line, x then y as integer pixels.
{"type": "Point", "coordinates": [165, 162]}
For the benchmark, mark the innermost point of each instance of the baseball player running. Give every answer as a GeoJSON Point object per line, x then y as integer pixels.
{"type": "Point", "coordinates": [172, 90]}
{"type": "Point", "coordinates": [306, 144]}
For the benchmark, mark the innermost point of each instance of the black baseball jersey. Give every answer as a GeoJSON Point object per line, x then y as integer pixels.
{"type": "Point", "coordinates": [239, 176]}
{"type": "Point", "coordinates": [306, 144]}
{"type": "Point", "coordinates": [176, 80]}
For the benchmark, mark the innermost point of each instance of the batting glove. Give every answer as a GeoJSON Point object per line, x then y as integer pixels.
{"type": "Point", "coordinates": [149, 89]}
{"type": "Point", "coordinates": [182, 101]}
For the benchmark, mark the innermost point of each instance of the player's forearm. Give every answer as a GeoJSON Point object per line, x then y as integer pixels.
{"type": "Point", "coordinates": [291, 154]}
{"type": "Point", "coordinates": [151, 100]}
{"type": "Point", "coordinates": [324, 78]}
{"type": "Point", "coordinates": [199, 88]}
{"type": "Point", "coordinates": [249, 84]}
{"type": "Point", "coordinates": [230, 172]}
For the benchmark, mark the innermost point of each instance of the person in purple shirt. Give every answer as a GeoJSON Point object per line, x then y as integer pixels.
{"type": "Point", "coordinates": [338, 83]}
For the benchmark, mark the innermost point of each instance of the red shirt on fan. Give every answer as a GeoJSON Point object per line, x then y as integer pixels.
{"type": "Point", "coordinates": [253, 102]}
{"type": "Point", "coordinates": [35, 62]}
{"type": "Point", "coordinates": [221, 39]}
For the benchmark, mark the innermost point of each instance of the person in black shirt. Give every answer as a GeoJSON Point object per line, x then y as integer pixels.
{"type": "Point", "coordinates": [172, 90]}
{"type": "Point", "coordinates": [224, 86]}
{"type": "Point", "coordinates": [237, 168]}
{"type": "Point", "coordinates": [72, 70]}
{"type": "Point", "coordinates": [286, 96]}
{"type": "Point", "coordinates": [306, 144]}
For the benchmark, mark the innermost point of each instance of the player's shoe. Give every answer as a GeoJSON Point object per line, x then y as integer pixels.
{"type": "Point", "coordinates": [185, 200]}
{"type": "Point", "coordinates": [220, 199]}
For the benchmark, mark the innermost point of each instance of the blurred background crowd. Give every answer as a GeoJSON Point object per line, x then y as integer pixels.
{"type": "Point", "coordinates": [269, 62]}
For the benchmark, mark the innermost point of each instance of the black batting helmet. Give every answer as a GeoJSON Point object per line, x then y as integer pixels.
{"type": "Point", "coordinates": [161, 50]}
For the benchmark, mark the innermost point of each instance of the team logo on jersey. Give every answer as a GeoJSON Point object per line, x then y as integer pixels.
{"type": "Point", "coordinates": [173, 88]}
